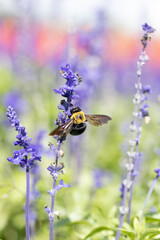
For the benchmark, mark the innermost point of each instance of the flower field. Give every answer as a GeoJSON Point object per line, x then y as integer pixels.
{"type": "Point", "coordinates": [79, 124]}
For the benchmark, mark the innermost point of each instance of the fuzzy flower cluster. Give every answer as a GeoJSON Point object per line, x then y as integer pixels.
{"type": "Point", "coordinates": [68, 92]}
{"type": "Point", "coordinates": [147, 29]}
{"type": "Point", "coordinates": [21, 156]}
{"type": "Point", "coordinates": [140, 112]}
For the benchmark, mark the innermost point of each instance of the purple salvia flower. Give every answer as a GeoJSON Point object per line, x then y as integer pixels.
{"type": "Point", "coordinates": [25, 157]}
{"type": "Point", "coordinates": [21, 156]}
{"type": "Point", "coordinates": [140, 112]}
{"type": "Point", "coordinates": [67, 91]}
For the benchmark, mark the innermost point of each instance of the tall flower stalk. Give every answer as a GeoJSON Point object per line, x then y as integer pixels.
{"type": "Point", "coordinates": [34, 195]}
{"type": "Point", "coordinates": [140, 112]}
{"type": "Point", "coordinates": [24, 157]}
{"type": "Point", "coordinates": [67, 91]}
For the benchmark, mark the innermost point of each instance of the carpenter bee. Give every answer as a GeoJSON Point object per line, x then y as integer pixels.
{"type": "Point", "coordinates": [76, 124]}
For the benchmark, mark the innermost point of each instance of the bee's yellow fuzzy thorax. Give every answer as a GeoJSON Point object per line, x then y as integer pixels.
{"type": "Point", "coordinates": [78, 117]}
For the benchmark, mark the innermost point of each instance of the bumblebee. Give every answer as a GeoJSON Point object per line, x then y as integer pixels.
{"type": "Point", "coordinates": [76, 125]}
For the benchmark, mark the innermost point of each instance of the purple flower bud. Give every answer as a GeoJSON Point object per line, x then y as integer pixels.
{"type": "Point", "coordinates": [157, 170]}
{"type": "Point", "coordinates": [147, 28]}
{"type": "Point", "coordinates": [144, 112]}
{"type": "Point", "coordinates": [122, 190]}
{"type": "Point", "coordinates": [52, 147]}
{"type": "Point", "coordinates": [146, 89]}
{"type": "Point", "coordinates": [134, 174]}
{"type": "Point", "coordinates": [59, 91]}
{"type": "Point", "coordinates": [47, 209]}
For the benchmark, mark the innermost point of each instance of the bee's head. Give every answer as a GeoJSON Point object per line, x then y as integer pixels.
{"type": "Point", "coordinates": [75, 110]}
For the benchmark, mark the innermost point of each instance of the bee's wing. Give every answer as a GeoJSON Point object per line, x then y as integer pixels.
{"type": "Point", "coordinates": [97, 120]}
{"type": "Point", "coordinates": [63, 130]}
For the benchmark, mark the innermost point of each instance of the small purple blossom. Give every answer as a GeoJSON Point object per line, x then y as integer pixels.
{"type": "Point", "coordinates": [47, 209]}
{"type": "Point", "coordinates": [144, 111]}
{"type": "Point", "coordinates": [58, 187]}
{"type": "Point", "coordinates": [55, 170]}
{"type": "Point", "coordinates": [63, 105]}
{"type": "Point", "coordinates": [18, 157]}
{"type": "Point", "coordinates": [147, 28]}
{"type": "Point", "coordinates": [62, 184]}
{"type": "Point", "coordinates": [157, 170]}
{"type": "Point", "coordinates": [21, 156]}
{"type": "Point", "coordinates": [134, 174]}
{"type": "Point", "coordinates": [67, 91]}
{"type": "Point", "coordinates": [146, 89]}
{"type": "Point", "coordinates": [122, 190]}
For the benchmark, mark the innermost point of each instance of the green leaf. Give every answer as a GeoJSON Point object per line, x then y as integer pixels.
{"type": "Point", "coordinates": [97, 230]}
{"type": "Point", "coordinates": [136, 225]}
{"type": "Point", "coordinates": [155, 218]}
{"type": "Point", "coordinates": [130, 234]}
{"type": "Point", "coordinates": [151, 232]}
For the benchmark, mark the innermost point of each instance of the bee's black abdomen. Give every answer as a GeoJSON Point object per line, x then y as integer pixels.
{"type": "Point", "coordinates": [78, 129]}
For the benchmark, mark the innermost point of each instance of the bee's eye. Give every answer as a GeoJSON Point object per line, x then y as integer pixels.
{"type": "Point", "coordinates": [80, 116]}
